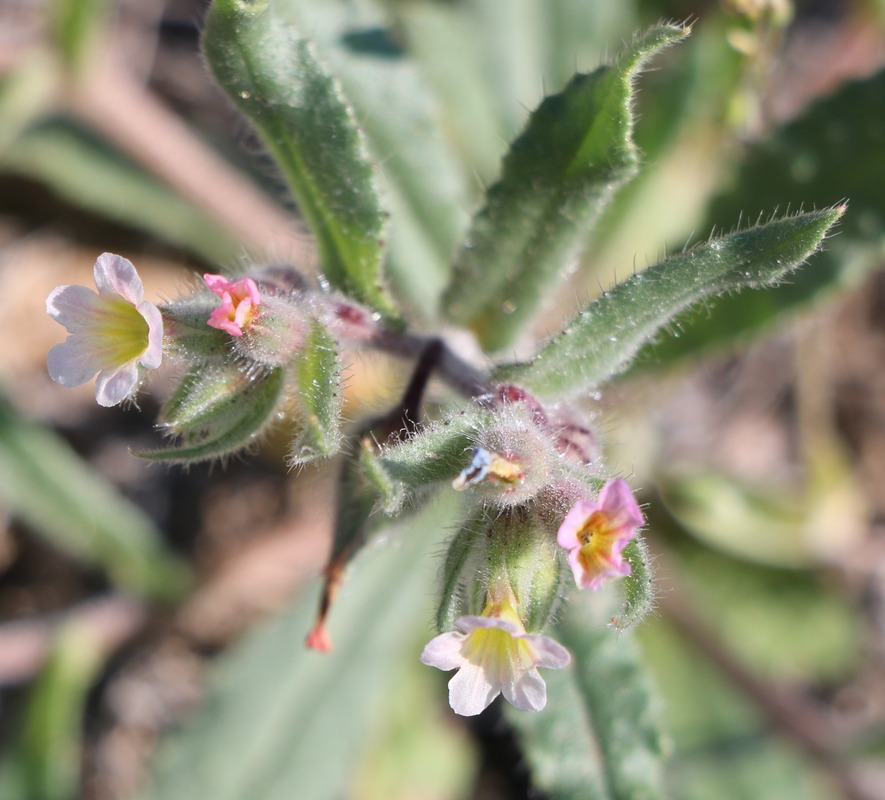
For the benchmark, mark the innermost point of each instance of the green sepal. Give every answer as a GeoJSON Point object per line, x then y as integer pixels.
{"type": "Point", "coordinates": [319, 389]}
{"type": "Point", "coordinates": [437, 452]}
{"type": "Point", "coordinates": [557, 178]}
{"type": "Point", "coordinates": [216, 411]}
{"type": "Point", "coordinates": [602, 339]}
{"type": "Point", "coordinates": [524, 555]}
{"type": "Point", "coordinates": [186, 334]}
{"type": "Point", "coordinates": [598, 736]}
{"type": "Point", "coordinates": [460, 571]}
{"type": "Point", "coordinates": [638, 586]}
{"type": "Point", "coordinates": [273, 76]}
{"type": "Point", "coordinates": [389, 492]}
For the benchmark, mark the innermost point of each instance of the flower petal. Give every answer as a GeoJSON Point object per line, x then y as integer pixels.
{"type": "Point", "coordinates": [116, 275]}
{"type": "Point", "coordinates": [471, 623]}
{"type": "Point", "coordinates": [72, 362]}
{"type": "Point", "coordinates": [471, 691]}
{"type": "Point", "coordinates": [548, 652]}
{"type": "Point", "coordinates": [616, 500]}
{"type": "Point", "coordinates": [153, 356]}
{"type": "Point", "coordinates": [527, 692]}
{"type": "Point", "coordinates": [567, 536]}
{"type": "Point", "coordinates": [115, 385]}
{"type": "Point", "coordinates": [444, 652]}
{"type": "Point", "coordinates": [74, 307]}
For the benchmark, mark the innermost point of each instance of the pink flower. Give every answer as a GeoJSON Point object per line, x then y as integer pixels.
{"type": "Point", "coordinates": [115, 333]}
{"type": "Point", "coordinates": [239, 302]}
{"type": "Point", "coordinates": [495, 655]}
{"type": "Point", "coordinates": [595, 535]}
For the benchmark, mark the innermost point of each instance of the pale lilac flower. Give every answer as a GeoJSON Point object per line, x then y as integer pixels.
{"type": "Point", "coordinates": [115, 333]}
{"type": "Point", "coordinates": [495, 655]}
{"type": "Point", "coordinates": [595, 535]}
{"type": "Point", "coordinates": [239, 302]}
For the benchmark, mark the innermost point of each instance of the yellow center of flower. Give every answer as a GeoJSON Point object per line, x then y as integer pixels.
{"type": "Point", "coordinates": [597, 539]}
{"type": "Point", "coordinates": [495, 650]}
{"type": "Point", "coordinates": [120, 332]}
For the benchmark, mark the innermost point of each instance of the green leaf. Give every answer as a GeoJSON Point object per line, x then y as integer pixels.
{"type": "Point", "coordinates": [576, 151]}
{"type": "Point", "coordinates": [601, 340]}
{"type": "Point", "coordinates": [598, 737]}
{"type": "Point", "coordinates": [86, 171]}
{"type": "Point", "coordinates": [282, 721]}
{"type": "Point", "coordinates": [273, 76]}
{"type": "Point", "coordinates": [216, 411]}
{"type": "Point", "coordinates": [45, 762]}
{"type": "Point", "coordinates": [319, 389]}
{"type": "Point", "coordinates": [834, 149]}
{"type": "Point", "coordinates": [50, 488]}
{"type": "Point", "coordinates": [420, 178]}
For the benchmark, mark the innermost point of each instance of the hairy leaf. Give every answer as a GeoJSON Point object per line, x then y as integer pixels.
{"type": "Point", "coordinates": [598, 738]}
{"type": "Point", "coordinates": [816, 157]}
{"type": "Point", "coordinates": [421, 181]}
{"type": "Point", "coordinates": [601, 340]}
{"type": "Point", "coordinates": [273, 76]}
{"type": "Point", "coordinates": [556, 179]}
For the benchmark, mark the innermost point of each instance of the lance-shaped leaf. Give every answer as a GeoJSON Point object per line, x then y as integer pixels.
{"type": "Point", "coordinates": [598, 738]}
{"type": "Point", "coordinates": [418, 173]}
{"type": "Point", "coordinates": [602, 339]}
{"type": "Point", "coordinates": [832, 150]}
{"type": "Point", "coordinates": [576, 151]}
{"type": "Point", "coordinates": [319, 387]}
{"type": "Point", "coordinates": [45, 484]}
{"type": "Point", "coordinates": [272, 74]}
{"type": "Point", "coordinates": [215, 412]}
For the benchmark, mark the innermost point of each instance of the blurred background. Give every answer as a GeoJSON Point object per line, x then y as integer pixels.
{"type": "Point", "coordinates": [754, 430]}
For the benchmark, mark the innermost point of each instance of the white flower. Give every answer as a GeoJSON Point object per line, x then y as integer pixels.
{"type": "Point", "coordinates": [115, 333]}
{"type": "Point", "coordinates": [495, 655]}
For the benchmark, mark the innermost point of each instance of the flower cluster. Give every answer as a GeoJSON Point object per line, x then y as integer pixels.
{"type": "Point", "coordinates": [533, 474]}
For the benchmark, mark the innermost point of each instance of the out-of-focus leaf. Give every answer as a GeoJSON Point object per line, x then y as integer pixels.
{"type": "Point", "coordinates": [76, 25]}
{"type": "Point", "coordinates": [218, 410]}
{"type": "Point", "coordinates": [273, 76]}
{"type": "Point", "coordinates": [598, 737]}
{"type": "Point", "coordinates": [319, 389]}
{"type": "Point", "coordinates": [45, 763]}
{"type": "Point", "coordinates": [603, 339]}
{"type": "Point", "coordinates": [416, 752]}
{"type": "Point", "coordinates": [282, 721]}
{"type": "Point", "coordinates": [86, 171]}
{"type": "Point", "coordinates": [721, 746]}
{"type": "Point", "coordinates": [832, 150]}
{"type": "Point", "coordinates": [45, 484]}
{"type": "Point", "coordinates": [422, 183]}
{"type": "Point", "coordinates": [558, 176]}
